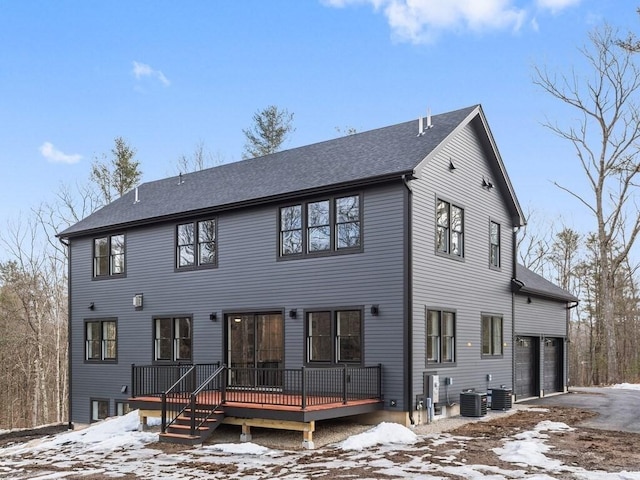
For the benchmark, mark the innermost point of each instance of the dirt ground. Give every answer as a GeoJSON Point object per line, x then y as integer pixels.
{"type": "Point", "coordinates": [22, 436]}
{"type": "Point", "coordinates": [587, 448]}
{"type": "Point", "coordinates": [583, 447]}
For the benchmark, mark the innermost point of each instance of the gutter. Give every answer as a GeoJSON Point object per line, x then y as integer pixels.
{"type": "Point", "coordinates": [408, 294]}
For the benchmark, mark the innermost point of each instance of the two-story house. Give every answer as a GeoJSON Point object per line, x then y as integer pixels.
{"type": "Point", "coordinates": [328, 280]}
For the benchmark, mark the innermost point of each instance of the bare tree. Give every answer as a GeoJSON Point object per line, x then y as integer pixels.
{"type": "Point", "coordinates": [270, 129]}
{"type": "Point", "coordinates": [198, 160]}
{"type": "Point", "coordinates": [606, 142]}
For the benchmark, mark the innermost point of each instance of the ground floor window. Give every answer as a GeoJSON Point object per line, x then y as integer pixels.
{"type": "Point", "coordinates": [172, 339]}
{"type": "Point", "coordinates": [101, 340]}
{"type": "Point", "coordinates": [122, 408]}
{"type": "Point", "coordinates": [99, 409]}
{"type": "Point", "coordinates": [441, 339]}
{"type": "Point", "coordinates": [492, 342]}
{"type": "Point", "coordinates": [334, 336]}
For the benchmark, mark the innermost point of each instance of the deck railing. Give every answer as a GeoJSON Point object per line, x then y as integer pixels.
{"type": "Point", "coordinates": [292, 387]}
{"type": "Point", "coordinates": [153, 380]}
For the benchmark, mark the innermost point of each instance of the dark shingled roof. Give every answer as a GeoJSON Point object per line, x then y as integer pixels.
{"type": "Point", "coordinates": [359, 159]}
{"type": "Point", "coordinates": [534, 284]}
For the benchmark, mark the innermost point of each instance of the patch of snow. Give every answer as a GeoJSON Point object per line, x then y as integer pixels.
{"type": "Point", "coordinates": [383, 434]}
{"type": "Point", "coordinates": [626, 386]}
{"type": "Point", "coordinates": [239, 448]}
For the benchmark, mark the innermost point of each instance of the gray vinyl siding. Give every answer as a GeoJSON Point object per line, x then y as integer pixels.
{"type": "Point", "coordinates": [249, 277]}
{"type": "Point", "coordinates": [469, 287]}
{"type": "Point", "coordinates": [540, 317]}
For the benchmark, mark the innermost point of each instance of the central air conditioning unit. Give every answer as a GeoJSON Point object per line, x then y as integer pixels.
{"type": "Point", "coordinates": [501, 398]}
{"type": "Point", "coordinates": [473, 404]}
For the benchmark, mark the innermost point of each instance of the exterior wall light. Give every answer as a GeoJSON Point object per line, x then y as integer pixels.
{"type": "Point", "coordinates": [213, 317]}
{"type": "Point", "coordinates": [375, 310]}
{"type": "Point", "coordinates": [293, 313]}
{"type": "Point", "coordinates": [137, 301]}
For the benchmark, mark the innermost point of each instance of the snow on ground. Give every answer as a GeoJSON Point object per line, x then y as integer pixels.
{"type": "Point", "coordinates": [626, 386]}
{"type": "Point", "coordinates": [115, 448]}
{"type": "Point", "coordinates": [384, 433]}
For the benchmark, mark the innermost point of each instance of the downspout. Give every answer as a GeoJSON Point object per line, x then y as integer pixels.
{"type": "Point", "coordinates": [408, 294]}
{"type": "Point", "coordinates": [514, 266]}
{"type": "Point", "coordinates": [69, 364]}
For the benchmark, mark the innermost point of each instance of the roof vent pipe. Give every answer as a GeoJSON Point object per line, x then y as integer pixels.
{"type": "Point", "coordinates": [136, 198]}
{"type": "Point", "coordinates": [420, 128]}
{"type": "Point", "coordinates": [429, 124]}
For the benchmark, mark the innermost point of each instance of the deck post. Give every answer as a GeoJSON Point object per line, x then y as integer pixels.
{"type": "Point", "coordinates": [133, 385]}
{"type": "Point", "coordinates": [223, 384]}
{"type": "Point", "coordinates": [344, 384]}
{"type": "Point", "coordinates": [379, 380]}
{"type": "Point", "coordinates": [192, 404]}
{"type": "Point", "coordinates": [303, 385]}
{"type": "Point", "coordinates": [164, 412]}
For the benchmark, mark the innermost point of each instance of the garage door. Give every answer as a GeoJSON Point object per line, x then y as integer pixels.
{"type": "Point", "coordinates": [526, 371]}
{"type": "Point", "coordinates": [552, 365]}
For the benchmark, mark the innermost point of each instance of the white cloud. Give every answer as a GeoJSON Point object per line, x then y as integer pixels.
{"type": "Point", "coordinates": [422, 21]}
{"type": "Point", "coordinates": [141, 70]}
{"type": "Point", "coordinates": [53, 155]}
{"type": "Point", "coordinates": [556, 5]}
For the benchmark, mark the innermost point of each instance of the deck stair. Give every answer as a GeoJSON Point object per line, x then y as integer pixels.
{"type": "Point", "coordinates": [180, 430]}
{"type": "Point", "coordinates": [189, 416]}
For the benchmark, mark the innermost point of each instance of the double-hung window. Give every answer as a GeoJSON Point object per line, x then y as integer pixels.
{"type": "Point", "coordinates": [196, 244]}
{"type": "Point", "coordinates": [492, 336]}
{"type": "Point", "coordinates": [449, 229]}
{"type": "Point", "coordinates": [441, 339]}
{"type": "Point", "coordinates": [101, 341]}
{"type": "Point", "coordinates": [494, 245]}
{"type": "Point", "coordinates": [329, 225]}
{"type": "Point", "coordinates": [108, 256]}
{"type": "Point", "coordinates": [334, 336]}
{"type": "Point", "coordinates": [172, 339]}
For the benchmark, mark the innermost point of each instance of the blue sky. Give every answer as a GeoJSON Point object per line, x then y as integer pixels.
{"type": "Point", "coordinates": [168, 76]}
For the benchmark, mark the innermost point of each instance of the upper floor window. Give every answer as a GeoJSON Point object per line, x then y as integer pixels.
{"type": "Point", "coordinates": [172, 339]}
{"type": "Point", "coordinates": [322, 226]}
{"type": "Point", "coordinates": [196, 244]}
{"type": "Point", "coordinates": [494, 245]}
{"type": "Point", "coordinates": [441, 340]}
{"type": "Point", "coordinates": [449, 229]}
{"type": "Point", "coordinates": [101, 340]}
{"type": "Point", "coordinates": [108, 255]}
{"type": "Point", "coordinates": [334, 336]}
{"type": "Point", "coordinates": [491, 335]}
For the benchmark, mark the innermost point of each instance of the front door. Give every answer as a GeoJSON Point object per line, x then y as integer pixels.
{"type": "Point", "coordinates": [255, 349]}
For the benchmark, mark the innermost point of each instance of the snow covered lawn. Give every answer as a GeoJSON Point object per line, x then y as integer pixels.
{"type": "Point", "coordinates": [115, 449]}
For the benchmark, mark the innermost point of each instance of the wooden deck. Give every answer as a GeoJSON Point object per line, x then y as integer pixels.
{"type": "Point", "coordinates": [271, 405]}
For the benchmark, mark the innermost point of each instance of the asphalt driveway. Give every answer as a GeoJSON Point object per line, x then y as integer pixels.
{"type": "Point", "coordinates": [617, 409]}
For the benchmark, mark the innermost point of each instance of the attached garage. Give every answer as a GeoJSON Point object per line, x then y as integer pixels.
{"type": "Point", "coordinates": [541, 312]}
{"type": "Point", "coordinates": [553, 361]}
{"type": "Point", "coordinates": [526, 371]}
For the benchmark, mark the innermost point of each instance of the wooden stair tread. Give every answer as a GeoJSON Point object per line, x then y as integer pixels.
{"type": "Point", "coordinates": [180, 435]}
{"type": "Point", "coordinates": [187, 427]}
